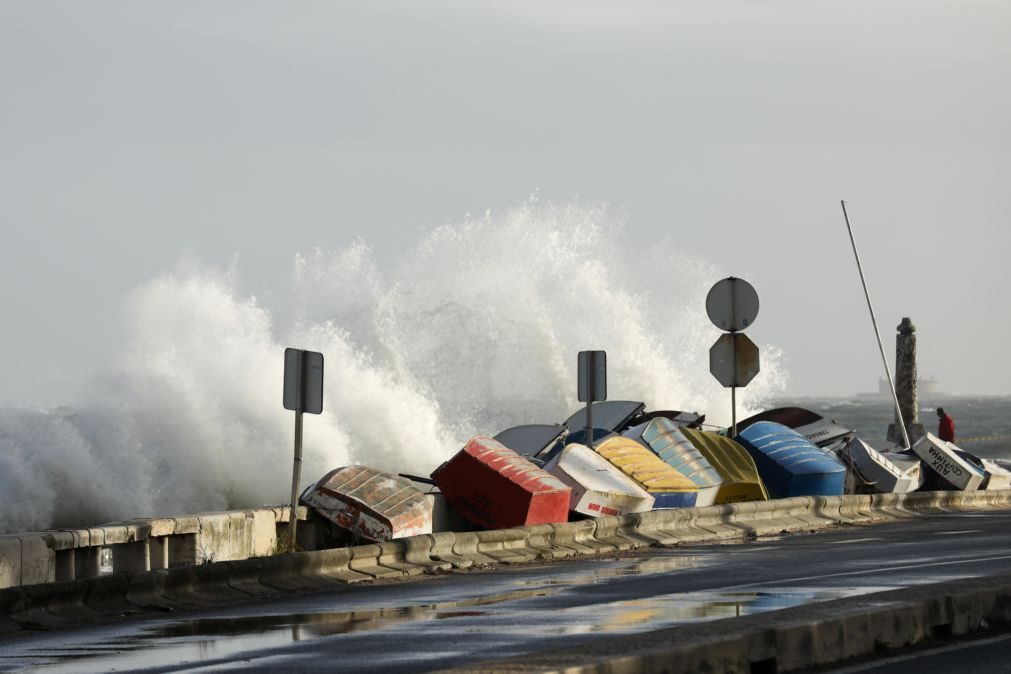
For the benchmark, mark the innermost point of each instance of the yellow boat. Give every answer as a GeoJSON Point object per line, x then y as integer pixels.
{"type": "Point", "coordinates": [670, 488]}
{"type": "Point", "coordinates": [740, 476]}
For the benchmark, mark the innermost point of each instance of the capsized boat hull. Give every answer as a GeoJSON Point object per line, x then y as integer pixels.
{"type": "Point", "coordinates": [878, 472]}
{"type": "Point", "coordinates": [677, 451]}
{"type": "Point", "coordinates": [370, 503]}
{"type": "Point", "coordinates": [823, 432]}
{"type": "Point", "coordinates": [669, 488]}
{"type": "Point", "coordinates": [598, 487]}
{"type": "Point", "coordinates": [741, 481]}
{"type": "Point", "coordinates": [496, 488]}
{"type": "Point", "coordinates": [790, 464]}
{"type": "Point", "coordinates": [952, 470]}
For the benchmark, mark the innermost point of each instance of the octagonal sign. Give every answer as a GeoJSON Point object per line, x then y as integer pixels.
{"type": "Point", "coordinates": [733, 360]}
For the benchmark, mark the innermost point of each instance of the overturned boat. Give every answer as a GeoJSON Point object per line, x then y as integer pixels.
{"type": "Point", "coordinates": [669, 488]}
{"type": "Point", "coordinates": [666, 440]}
{"type": "Point", "coordinates": [741, 481]}
{"type": "Point", "coordinates": [877, 472]}
{"type": "Point", "coordinates": [825, 433]}
{"type": "Point", "coordinates": [995, 476]}
{"type": "Point", "coordinates": [790, 464]}
{"type": "Point", "coordinates": [532, 440]}
{"type": "Point", "coordinates": [496, 488]}
{"type": "Point", "coordinates": [942, 458]}
{"type": "Point", "coordinates": [599, 488]}
{"type": "Point", "coordinates": [370, 503]}
{"type": "Point", "coordinates": [610, 415]}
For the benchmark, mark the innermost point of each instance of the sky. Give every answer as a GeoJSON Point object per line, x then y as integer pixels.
{"type": "Point", "coordinates": [241, 134]}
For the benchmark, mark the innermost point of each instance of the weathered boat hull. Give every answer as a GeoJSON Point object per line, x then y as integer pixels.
{"type": "Point", "coordinates": [665, 439]}
{"type": "Point", "coordinates": [370, 503]}
{"type": "Point", "coordinates": [496, 488]}
{"type": "Point", "coordinates": [952, 470]}
{"type": "Point", "coordinates": [669, 488]}
{"type": "Point", "coordinates": [598, 487]}
{"type": "Point", "coordinates": [741, 481]}
{"type": "Point", "coordinates": [823, 432]}
{"type": "Point", "coordinates": [879, 472]}
{"type": "Point", "coordinates": [790, 464]}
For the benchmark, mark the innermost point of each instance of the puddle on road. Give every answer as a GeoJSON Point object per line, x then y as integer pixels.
{"type": "Point", "coordinates": [219, 641]}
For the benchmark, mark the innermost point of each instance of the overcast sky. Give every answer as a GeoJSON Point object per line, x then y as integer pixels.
{"type": "Point", "coordinates": [133, 134]}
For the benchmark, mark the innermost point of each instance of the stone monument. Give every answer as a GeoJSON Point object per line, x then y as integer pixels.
{"type": "Point", "coordinates": [905, 384]}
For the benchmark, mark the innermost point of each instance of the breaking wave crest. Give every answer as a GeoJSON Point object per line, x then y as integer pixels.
{"type": "Point", "coordinates": [477, 329]}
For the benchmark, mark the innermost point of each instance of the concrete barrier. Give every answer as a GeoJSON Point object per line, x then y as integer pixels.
{"type": "Point", "coordinates": [156, 558]}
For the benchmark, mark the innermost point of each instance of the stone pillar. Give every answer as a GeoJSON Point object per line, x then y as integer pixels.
{"type": "Point", "coordinates": [905, 384]}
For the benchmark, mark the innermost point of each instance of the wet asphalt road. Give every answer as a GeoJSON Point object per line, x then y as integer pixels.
{"type": "Point", "coordinates": [438, 622]}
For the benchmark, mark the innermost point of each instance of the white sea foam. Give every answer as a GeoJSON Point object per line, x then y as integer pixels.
{"type": "Point", "coordinates": [476, 330]}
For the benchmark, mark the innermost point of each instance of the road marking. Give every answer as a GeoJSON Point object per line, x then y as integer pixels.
{"type": "Point", "coordinates": [854, 540]}
{"type": "Point", "coordinates": [919, 654]}
{"type": "Point", "coordinates": [957, 533]}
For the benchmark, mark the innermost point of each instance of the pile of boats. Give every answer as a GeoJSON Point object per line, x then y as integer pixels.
{"type": "Point", "coordinates": [636, 461]}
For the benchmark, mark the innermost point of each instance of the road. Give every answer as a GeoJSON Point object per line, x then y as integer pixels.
{"type": "Point", "coordinates": [449, 620]}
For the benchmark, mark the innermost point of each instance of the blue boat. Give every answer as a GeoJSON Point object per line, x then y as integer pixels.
{"type": "Point", "coordinates": [789, 463]}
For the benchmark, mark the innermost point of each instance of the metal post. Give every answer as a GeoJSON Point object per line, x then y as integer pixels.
{"type": "Point", "coordinates": [733, 411]}
{"type": "Point", "coordinates": [295, 475]}
{"type": "Point", "coordinates": [589, 418]}
{"type": "Point", "coordinates": [877, 333]}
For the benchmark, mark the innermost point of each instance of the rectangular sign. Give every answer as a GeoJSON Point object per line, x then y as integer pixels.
{"type": "Point", "coordinates": [303, 381]}
{"type": "Point", "coordinates": [592, 376]}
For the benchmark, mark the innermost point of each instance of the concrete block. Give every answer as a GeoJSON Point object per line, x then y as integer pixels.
{"type": "Point", "coordinates": [189, 524]}
{"type": "Point", "coordinates": [264, 534]}
{"type": "Point", "coordinates": [66, 564]}
{"type": "Point", "coordinates": [417, 551]}
{"type": "Point", "coordinates": [224, 536]}
{"type": "Point", "coordinates": [465, 544]}
{"type": "Point", "coordinates": [365, 560]}
{"type": "Point", "coordinates": [391, 555]}
{"type": "Point", "coordinates": [182, 550]}
{"type": "Point", "coordinates": [159, 551]}
{"type": "Point", "coordinates": [38, 561]}
{"type": "Point", "coordinates": [114, 533]}
{"type": "Point", "coordinates": [10, 561]}
{"type": "Point", "coordinates": [442, 550]}
{"type": "Point", "coordinates": [508, 546]}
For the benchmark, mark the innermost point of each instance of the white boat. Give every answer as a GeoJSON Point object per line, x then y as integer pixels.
{"type": "Point", "coordinates": [995, 476]}
{"type": "Point", "coordinates": [598, 487]}
{"type": "Point", "coordinates": [943, 459]}
{"type": "Point", "coordinates": [878, 472]}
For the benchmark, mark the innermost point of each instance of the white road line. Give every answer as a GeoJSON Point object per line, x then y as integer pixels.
{"type": "Point", "coordinates": [919, 654]}
{"type": "Point", "coordinates": [854, 540]}
{"type": "Point", "coordinates": [958, 533]}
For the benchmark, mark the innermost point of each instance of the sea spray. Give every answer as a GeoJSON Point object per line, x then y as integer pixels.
{"type": "Point", "coordinates": [475, 330]}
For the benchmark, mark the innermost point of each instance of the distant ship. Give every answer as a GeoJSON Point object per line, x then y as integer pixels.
{"type": "Point", "coordinates": [924, 387]}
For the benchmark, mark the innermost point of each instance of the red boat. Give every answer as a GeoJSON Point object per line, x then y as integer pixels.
{"type": "Point", "coordinates": [496, 488]}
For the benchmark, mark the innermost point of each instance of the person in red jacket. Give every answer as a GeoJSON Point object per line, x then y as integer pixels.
{"type": "Point", "coordinates": [945, 425]}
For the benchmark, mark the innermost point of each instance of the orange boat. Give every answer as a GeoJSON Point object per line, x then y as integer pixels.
{"type": "Point", "coordinates": [496, 488]}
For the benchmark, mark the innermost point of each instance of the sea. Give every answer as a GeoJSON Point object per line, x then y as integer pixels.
{"type": "Point", "coordinates": [476, 329]}
{"type": "Point", "coordinates": [982, 423]}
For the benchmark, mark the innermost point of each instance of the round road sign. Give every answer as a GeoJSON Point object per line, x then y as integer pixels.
{"type": "Point", "coordinates": [732, 304]}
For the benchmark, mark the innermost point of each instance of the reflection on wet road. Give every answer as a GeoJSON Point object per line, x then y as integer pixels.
{"type": "Point", "coordinates": [451, 619]}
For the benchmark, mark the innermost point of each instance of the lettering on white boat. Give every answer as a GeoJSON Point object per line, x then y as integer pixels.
{"type": "Point", "coordinates": [942, 464]}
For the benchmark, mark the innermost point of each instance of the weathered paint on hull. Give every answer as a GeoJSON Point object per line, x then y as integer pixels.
{"type": "Point", "coordinates": [598, 487]}
{"type": "Point", "coordinates": [677, 451]}
{"type": "Point", "coordinates": [939, 456]}
{"type": "Point", "coordinates": [370, 503]}
{"type": "Point", "coordinates": [790, 464]}
{"type": "Point", "coordinates": [741, 481]}
{"type": "Point", "coordinates": [496, 488]}
{"type": "Point", "coordinates": [669, 488]}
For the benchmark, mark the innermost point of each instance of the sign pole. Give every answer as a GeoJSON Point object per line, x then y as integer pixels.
{"type": "Point", "coordinates": [733, 411]}
{"type": "Point", "coordinates": [589, 422]}
{"type": "Point", "coordinates": [296, 473]}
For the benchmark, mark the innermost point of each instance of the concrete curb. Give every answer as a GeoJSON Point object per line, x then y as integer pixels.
{"type": "Point", "coordinates": [55, 604]}
{"type": "Point", "coordinates": [787, 639]}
